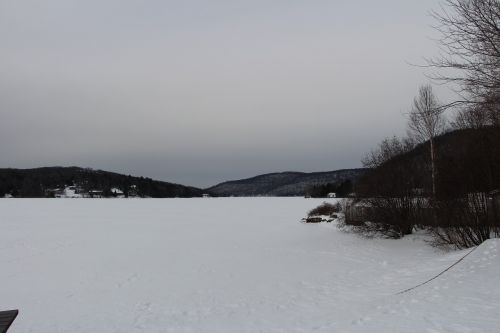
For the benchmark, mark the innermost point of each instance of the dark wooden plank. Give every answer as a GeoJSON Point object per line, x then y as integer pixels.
{"type": "Point", "coordinates": [6, 319]}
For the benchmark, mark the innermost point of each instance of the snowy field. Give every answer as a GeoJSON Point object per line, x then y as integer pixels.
{"type": "Point", "coordinates": [228, 265]}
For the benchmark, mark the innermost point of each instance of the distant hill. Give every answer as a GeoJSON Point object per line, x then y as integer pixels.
{"type": "Point", "coordinates": [48, 181]}
{"type": "Point", "coordinates": [283, 183]}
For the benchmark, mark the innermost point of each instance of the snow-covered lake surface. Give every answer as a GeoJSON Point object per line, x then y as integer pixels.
{"type": "Point", "coordinates": [228, 265]}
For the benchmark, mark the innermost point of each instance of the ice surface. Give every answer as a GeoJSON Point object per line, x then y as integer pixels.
{"type": "Point", "coordinates": [228, 265]}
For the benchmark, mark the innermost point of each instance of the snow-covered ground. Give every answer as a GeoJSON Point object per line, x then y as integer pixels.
{"type": "Point", "coordinates": [228, 265]}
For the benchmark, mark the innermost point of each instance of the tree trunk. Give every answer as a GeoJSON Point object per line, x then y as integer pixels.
{"type": "Point", "coordinates": [433, 167]}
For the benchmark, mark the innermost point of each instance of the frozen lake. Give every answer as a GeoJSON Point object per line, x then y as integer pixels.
{"type": "Point", "coordinates": [227, 265]}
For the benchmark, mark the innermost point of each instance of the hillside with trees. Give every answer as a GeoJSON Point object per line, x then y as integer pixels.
{"type": "Point", "coordinates": [468, 161]}
{"type": "Point", "coordinates": [289, 184]}
{"type": "Point", "coordinates": [48, 181]}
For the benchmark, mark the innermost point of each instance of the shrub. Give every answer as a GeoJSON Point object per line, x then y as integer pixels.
{"type": "Point", "coordinates": [387, 217]}
{"type": "Point", "coordinates": [325, 209]}
{"type": "Point", "coordinates": [464, 222]}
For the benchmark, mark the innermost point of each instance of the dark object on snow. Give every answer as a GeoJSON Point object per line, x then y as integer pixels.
{"type": "Point", "coordinates": [6, 319]}
{"type": "Point", "coordinates": [314, 219]}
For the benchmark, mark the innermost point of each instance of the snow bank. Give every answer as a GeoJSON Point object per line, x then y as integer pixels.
{"type": "Point", "coordinates": [228, 265]}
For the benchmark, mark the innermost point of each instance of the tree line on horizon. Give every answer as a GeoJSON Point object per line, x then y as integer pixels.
{"type": "Point", "coordinates": [341, 189]}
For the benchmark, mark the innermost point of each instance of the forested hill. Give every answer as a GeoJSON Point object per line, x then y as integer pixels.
{"type": "Point", "coordinates": [84, 182]}
{"type": "Point", "coordinates": [467, 161]}
{"type": "Point", "coordinates": [284, 183]}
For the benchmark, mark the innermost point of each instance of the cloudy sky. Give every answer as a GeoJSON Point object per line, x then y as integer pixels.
{"type": "Point", "coordinates": [197, 92]}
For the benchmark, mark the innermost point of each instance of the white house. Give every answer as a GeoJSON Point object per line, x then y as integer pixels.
{"type": "Point", "coordinates": [117, 192]}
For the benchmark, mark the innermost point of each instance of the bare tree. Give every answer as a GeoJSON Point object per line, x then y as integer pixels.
{"type": "Point", "coordinates": [387, 149]}
{"type": "Point", "coordinates": [479, 116]}
{"type": "Point", "coordinates": [470, 47]}
{"type": "Point", "coordinates": [425, 123]}
{"type": "Point", "coordinates": [472, 117]}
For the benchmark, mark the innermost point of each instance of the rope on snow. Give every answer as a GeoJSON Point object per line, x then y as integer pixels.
{"type": "Point", "coordinates": [435, 277]}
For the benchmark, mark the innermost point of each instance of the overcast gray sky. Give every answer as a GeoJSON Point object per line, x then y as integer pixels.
{"type": "Point", "coordinates": [197, 92]}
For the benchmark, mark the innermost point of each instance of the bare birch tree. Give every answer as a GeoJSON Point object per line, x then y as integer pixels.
{"type": "Point", "coordinates": [425, 123]}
